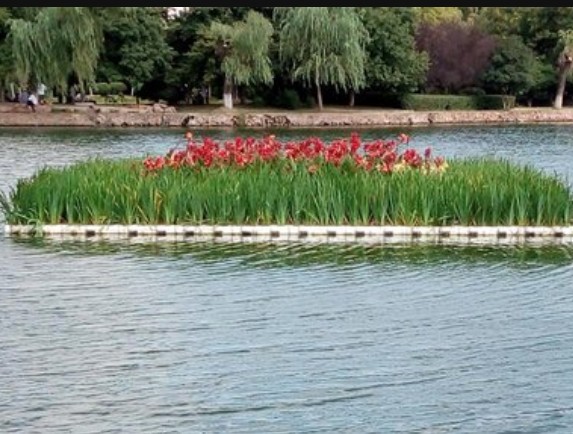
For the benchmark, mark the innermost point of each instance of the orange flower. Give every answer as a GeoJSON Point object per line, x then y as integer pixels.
{"type": "Point", "coordinates": [189, 135]}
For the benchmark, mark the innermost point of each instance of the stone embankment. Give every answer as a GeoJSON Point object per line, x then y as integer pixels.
{"type": "Point", "coordinates": [160, 115]}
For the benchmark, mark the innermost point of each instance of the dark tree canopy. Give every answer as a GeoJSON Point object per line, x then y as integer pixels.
{"type": "Point", "coordinates": [393, 64]}
{"type": "Point", "coordinates": [459, 53]}
{"type": "Point", "coordinates": [514, 68]}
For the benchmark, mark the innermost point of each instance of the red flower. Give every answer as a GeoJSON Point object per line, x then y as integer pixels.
{"type": "Point", "coordinates": [404, 138]}
{"type": "Point", "coordinates": [241, 152]}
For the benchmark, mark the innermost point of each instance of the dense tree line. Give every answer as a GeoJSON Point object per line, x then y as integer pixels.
{"type": "Point", "coordinates": [293, 57]}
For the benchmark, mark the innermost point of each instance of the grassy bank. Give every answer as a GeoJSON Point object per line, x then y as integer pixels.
{"type": "Point", "coordinates": [469, 192]}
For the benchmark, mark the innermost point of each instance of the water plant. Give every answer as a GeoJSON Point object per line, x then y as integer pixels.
{"type": "Point", "coordinates": [264, 181]}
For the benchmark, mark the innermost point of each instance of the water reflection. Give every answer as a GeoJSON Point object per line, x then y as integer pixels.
{"type": "Point", "coordinates": [289, 254]}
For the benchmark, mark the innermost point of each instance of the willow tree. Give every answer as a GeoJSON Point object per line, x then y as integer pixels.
{"type": "Point", "coordinates": [323, 46]}
{"type": "Point", "coordinates": [6, 61]}
{"type": "Point", "coordinates": [564, 66]}
{"type": "Point", "coordinates": [58, 42]}
{"type": "Point", "coordinates": [244, 51]}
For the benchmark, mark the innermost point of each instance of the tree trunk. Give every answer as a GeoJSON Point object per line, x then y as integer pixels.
{"type": "Point", "coordinates": [2, 93]}
{"type": "Point", "coordinates": [242, 96]}
{"type": "Point", "coordinates": [558, 103]}
{"type": "Point", "coordinates": [236, 98]}
{"type": "Point", "coordinates": [352, 94]}
{"type": "Point", "coordinates": [318, 95]}
{"type": "Point", "coordinates": [565, 65]}
{"type": "Point", "coordinates": [228, 93]}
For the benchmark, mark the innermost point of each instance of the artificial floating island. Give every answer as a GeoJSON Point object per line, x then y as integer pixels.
{"type": "Point", "coordinates": [263, 181]}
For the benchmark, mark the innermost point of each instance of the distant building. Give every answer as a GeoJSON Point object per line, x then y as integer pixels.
{"type": "Point", "coordinates": [175, 12]}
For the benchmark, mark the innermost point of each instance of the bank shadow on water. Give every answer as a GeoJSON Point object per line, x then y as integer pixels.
{"type": "Point", "coordinates": [276, 255]}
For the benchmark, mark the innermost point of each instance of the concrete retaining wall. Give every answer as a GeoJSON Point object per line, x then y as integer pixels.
{"type": "Point", "coordinates": [160, 115]}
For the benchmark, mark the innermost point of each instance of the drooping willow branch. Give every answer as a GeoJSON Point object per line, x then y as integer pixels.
{"type": "Point", "coordinates": [58, 42]}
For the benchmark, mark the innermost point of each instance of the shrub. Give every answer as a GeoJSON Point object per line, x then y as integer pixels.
{"type": "Point", "coordinates": [117, 88]}
{"type": "Point", "coordinates": [288, 99]}
{"type": "Point", "coordinates": [310, 102]}
{"type": "Point", "coordinates": [414, 101]}
{"type": "Point", "coordinates": [258, 101]}
{"type": "Point", "coordinates": [102, 89]}
{"type": "Point", "coordinates": [472, 91]}
{"type": "Point", "coordinates": [457, 102]}
{"type": "Point", "coordinates": [495, 102]}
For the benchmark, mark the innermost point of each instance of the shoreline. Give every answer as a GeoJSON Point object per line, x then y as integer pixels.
{"type": "Point", "coordinates": [162, 116]}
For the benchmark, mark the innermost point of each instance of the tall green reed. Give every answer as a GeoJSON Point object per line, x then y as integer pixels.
{"type": "Point", "coordinates": [475, 191]}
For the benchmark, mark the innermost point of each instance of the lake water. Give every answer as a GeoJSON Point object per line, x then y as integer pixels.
{"type": "Point", "coordinates": [284, 338]}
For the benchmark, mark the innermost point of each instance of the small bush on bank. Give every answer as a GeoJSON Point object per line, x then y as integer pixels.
{"type": "Point", "coordinates": [495, 102]}
{"type": "Point", "coordinates": [117, 88]}
{"type": "Point", "coordinates": [457, 102]}
{"type": "Point", "coordinates": [288, 99]}
{"type": "Point", "coordinates": [102, 89]}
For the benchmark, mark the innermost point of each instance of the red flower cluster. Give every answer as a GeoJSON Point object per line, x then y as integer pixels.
{"type": "Point", "coordinates": [378, 155]}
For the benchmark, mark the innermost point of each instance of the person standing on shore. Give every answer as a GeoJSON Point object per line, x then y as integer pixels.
{"type": "Point", "coordinates": [41, 93]}
{"type": "Point", "coordinates": [32, 101]}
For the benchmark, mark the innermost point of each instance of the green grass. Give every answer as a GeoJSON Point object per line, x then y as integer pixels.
{"type": "Point", "coordinates": [469, 192]}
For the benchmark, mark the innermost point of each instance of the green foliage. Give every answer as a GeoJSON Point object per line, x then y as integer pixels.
{"type": "Point", "coordinates": [102, 89]}
{"type": "Point", "coordinates": [57, 42]}
{"type": "Point", "coordinates": [324, 45]}
{"type": "Point", "coordinates": [566, 39]}
{"type": "Point", "coordinates": [457, 102]}
{"type": "Point", "coordinates": [502, 22]}
{"type": "Point", "coordinates": [340, 48]}
{"type": "Point", "coordinates": [6, 58]}
{"type": "Point", "coordinates": [136, 49]}
{"type": "Point", "coordinates": [393, 64]}
{"type": "Point", "coordinates": [195, 61]}
{"type": "Point", "coordinates": [245, 48]}
{"type": "Point", "coordinates": [414, 101]}
{"type": "Point", "coordinates": [540, 30]}
{"type": "Point", "coordinates": [117, 88]}
{"type": "Point", "coordinates": [258, 101]}
{"type": "Point", "coordinates": [470, 192]}
{"type": "Point", "coordinates": [6, 64]}
{"type": "Point", "coordinates": [494, 102]}
{"type": "Point", "coordinates": [514, 68]}
{"type": "Point", "coordinates": [436, 15]}
{"type": "Point", "coordinates": [288, 99]}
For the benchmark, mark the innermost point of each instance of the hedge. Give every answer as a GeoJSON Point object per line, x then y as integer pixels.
{"type": "Point", "coordinates": [495, 102]}
{"type": "Point", "coordinates": [113, 88]}
{"type": "Point", "coordinates": [457, 102]}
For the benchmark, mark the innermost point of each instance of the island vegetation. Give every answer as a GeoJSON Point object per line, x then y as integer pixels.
{"type": "Point", "coordinates": [264, 181]}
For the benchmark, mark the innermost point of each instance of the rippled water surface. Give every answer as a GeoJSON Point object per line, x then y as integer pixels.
{"type": "Point", "coordinates": [292, 338]}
